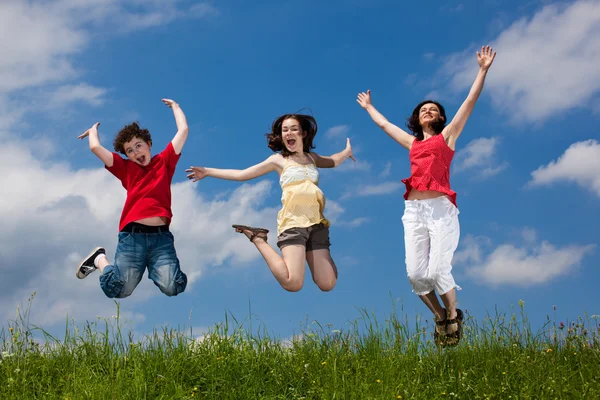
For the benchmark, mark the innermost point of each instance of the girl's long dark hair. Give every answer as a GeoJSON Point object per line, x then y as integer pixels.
{"type": "Point", "coordinates": [415, 127]}
{"type": "Point", "coordinates": [307, 123]}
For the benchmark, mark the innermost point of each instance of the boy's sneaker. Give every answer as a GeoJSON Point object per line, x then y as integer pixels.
{"type": "Point", "coordinates": [86, 266]}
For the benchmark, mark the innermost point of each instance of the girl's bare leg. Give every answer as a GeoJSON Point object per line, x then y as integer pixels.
{"type": "Point", "coordinates": [449, 299]}
{"type": "Point", "coordinates": [289, 269]}
{"type": "Point", "coordinates": [323, 269]}
{"type": "Point", "coordinates": [431, 301]}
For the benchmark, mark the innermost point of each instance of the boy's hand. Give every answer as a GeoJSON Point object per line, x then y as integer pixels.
{"type": "Point", "coordinates": [170, 103]}
{"type": "Point", "coordinates": [196, 173]}
{"type": "Point", "coordinates": [94, 129]}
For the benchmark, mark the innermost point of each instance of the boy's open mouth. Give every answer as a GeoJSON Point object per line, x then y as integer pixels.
{"type": "Point", "coordinates": [141, 159]}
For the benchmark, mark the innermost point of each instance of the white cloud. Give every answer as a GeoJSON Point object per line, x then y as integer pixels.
{"type": "Point", "coordinates": [337, 131]}
{"type": "Point", "coordinates": [545, 65]}
{"type": "Point", "coordinates": [333, 210]}
{"type": "Point", "coordinates": [529, 235]}
{"type": "Point", "coordinates": [386, 170]}
{"type": "Point", "coordinates": [76, 93]}
{"type": "Point", "coordinates": [354, 222]}
{"type": "Point", "coordinates": [45, 35]}
{"type": "Point", "coordinates": [354, 166]}
{"type": "Point", "coordinates": [480, 154]}
{"type": "Point", "coordinates": [580, 163]}
{"type": "Point", "coordinates": [375, 190]}
{"type": "Point", "coordinates": [53, 215]}
{"type": "Point", "coordinates": [525, 265]}
{"type": "Point", "coordinates": [452, 9]}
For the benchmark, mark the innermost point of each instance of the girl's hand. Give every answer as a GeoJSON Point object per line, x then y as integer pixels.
{"type": "Point", "coordinates": [486, 57]}
{"type": "Point", "coordinates": [349, 149]}
{"type": "Point", "coordinates": [93, 129]}
{"type": "Point", "coordinates": [169, 102]}
{"type": "Point", "coordinates": [364, 99]}
{"type": "Point", "coordinates": [196, 173]}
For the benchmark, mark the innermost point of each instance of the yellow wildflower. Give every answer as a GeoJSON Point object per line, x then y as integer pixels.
{"type": "Point", "coordinates": [324, 362]}
{"type": "Point", "coordinates": [549, 351]}
{"type": "Point", "coordinates": [378, 381]}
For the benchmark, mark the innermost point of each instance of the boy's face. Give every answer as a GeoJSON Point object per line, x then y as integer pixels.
{"type": "Point", "coordinates": [138, 151]}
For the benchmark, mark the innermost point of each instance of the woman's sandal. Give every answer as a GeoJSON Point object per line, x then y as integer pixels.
{"type": "Point", "coordinates": [256, 232]}
{"type": "Point", "coordinates": [452, 339]}
{"type": "Point", "coordinates": [439, 338]}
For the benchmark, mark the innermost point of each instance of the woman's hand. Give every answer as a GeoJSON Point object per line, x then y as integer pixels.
{"type": "Point", "coordinates": [364, 99]}
{"type": "Point", "coordinates": [486, 57]}
{"type": "Point", "coordinates": [196, 173]}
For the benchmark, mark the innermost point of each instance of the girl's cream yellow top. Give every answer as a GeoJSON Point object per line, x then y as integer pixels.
{"type": "Point", "coordinates": [303, 202]}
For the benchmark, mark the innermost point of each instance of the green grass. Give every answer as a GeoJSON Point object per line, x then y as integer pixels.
{"type": "Point", "coordinates": [499, 358]}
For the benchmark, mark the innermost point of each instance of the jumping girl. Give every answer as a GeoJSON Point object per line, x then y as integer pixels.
{"type": "Point", "coordinates": [431, 227]}
{"type": "Point", "coordinates": [302, 229]}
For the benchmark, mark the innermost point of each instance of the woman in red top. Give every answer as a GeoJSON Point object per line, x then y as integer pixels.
{"type": "Point", "coordinates": [431, 228]}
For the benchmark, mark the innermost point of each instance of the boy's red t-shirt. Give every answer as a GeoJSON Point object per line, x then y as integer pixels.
{"type": "Point", "coordinates": [148, 188]}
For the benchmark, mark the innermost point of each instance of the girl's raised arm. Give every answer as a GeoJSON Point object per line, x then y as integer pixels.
{"type": "Point", "coordinates": [335, 159]}
{"type": "Point", "coordinates": [455, 128]}
{"type": "Point", "coordinates": [268, 165]}
{"type": "Point", "coordinates": [404, 138]}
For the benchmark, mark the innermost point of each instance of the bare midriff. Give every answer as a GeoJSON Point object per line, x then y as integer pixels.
{"type": "Point", "coordinates": [424, 194]}
{"type": "Point", "coordinates": [153, 221]}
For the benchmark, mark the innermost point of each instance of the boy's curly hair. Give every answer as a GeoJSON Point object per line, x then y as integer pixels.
{"type": "Point", "coordinates": [127, 134]}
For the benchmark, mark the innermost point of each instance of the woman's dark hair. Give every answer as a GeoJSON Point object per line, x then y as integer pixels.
{"type": "Point", "coordinates": [128, 133]}
{"type": "Point", "coordinates": [413, 121]}
{"type": "Point", "coordinates": [308, 125]}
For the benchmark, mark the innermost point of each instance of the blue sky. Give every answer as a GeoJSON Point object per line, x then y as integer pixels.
{"type": "Point", "coordinates": [525, 169]}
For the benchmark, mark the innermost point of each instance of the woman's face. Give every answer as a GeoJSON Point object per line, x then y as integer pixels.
{"type": "Point", "coordinates": [428, 114]}
{"type": "Point", "coordinates": [292, 135]}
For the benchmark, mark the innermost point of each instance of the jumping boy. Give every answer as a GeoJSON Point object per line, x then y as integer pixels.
{"type": "Point", "coordinates": [144, 236]}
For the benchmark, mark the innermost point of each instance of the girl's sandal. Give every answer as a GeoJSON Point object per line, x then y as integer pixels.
{"type": "Point", "coordinates": [439, 337]}
{"type": "Point", "coordinates": [452, 339]}
{"type": "Point", "coordinates": [256, 232]}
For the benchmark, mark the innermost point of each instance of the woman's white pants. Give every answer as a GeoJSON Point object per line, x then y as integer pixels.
{"type": "Point", "coordinates": [431, 234]}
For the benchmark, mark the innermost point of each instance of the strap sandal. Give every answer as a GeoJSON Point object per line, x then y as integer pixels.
{"type": "Point", "coordinates": [452, 339]}
{"type": "Point", "coordinates": [439, 338]}
{"type": "Point", "coordinates": [255, 232]}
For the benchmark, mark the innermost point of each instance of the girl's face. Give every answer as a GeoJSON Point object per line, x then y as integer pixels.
{"type": "Point", "coordinates": [428, 114]}
{"type": "Point", "coordinates": [138, 151]}
{"type": "Point", "coordinates": [292, 135]}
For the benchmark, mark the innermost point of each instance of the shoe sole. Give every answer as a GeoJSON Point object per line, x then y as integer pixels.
{"type": "Point", "coordinates": [85, 260]}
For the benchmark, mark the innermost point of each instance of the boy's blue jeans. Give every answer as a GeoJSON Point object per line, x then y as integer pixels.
{"type": "Point", "coordinates": [135, 252]}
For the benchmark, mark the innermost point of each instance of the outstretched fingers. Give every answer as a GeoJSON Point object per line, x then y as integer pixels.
{"type": "Point", "coordinates": [196, 173]}
{"type": "Point", "coordinates": [364, 99]}
{"type": "Point", "coordinates": [168, 102]}
{"type": "Point", "coordinates": [486, 56]}
{"type": "Point", "coordinates": [86, 133]}
{"type": "Point", "coordinates": [349, 148]}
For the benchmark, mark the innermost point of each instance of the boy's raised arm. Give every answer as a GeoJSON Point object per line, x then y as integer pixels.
{"type": "Point", "coordinates": [182, 126]}
{"type": "Point", "coordinates": [102, 153]}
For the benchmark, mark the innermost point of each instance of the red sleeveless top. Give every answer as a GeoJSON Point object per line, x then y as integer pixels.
{"type": "Point", "coordinates": [430, 166]}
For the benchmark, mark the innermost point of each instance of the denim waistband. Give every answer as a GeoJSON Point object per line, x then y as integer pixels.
{"type": "Point", "coordinates": [134, 227]}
